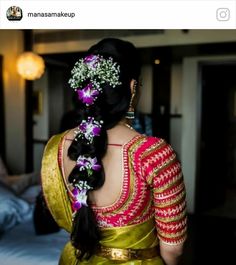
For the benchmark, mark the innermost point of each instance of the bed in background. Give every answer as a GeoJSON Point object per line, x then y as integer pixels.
{"type": "Point", "coordinates": [19, 244]}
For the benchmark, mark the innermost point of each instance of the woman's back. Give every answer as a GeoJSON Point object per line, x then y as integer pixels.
{"type": "Point", "coordinates": [143, 180]}
{"type": "Point", "coordinates": [113, 165]}
{"type": "Point", "coordinates": [114, 190]}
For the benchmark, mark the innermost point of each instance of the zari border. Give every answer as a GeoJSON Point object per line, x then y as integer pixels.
{"type": "Point", "coordinates": [54, 189]}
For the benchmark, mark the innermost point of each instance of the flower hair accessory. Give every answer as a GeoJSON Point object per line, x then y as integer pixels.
{"type": "Point", "coordinates": [80, 199]}
{"type": "Point", "coordinates": [88, 77]}
{"type": "Point", "coordinates": [81, 185]}
{"type": "Point", "coordinates": [88, 94]}
{"type": "Point", "coordinates": [88, 163]}
{"type": "Point", "coordinates": [88, 129]}
{"type": "Point", "coordinates": [90, 73]}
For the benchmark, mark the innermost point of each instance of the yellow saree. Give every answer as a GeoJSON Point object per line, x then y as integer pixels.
{"type": "Point", "coordinates": [141, 236]}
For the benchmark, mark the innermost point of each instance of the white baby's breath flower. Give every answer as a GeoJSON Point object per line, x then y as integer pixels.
{"type": "Point", "coordinates": [97, 70]}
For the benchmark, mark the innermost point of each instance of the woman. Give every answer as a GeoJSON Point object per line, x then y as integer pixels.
{"type": "Point", "coordinates": [119, 193]}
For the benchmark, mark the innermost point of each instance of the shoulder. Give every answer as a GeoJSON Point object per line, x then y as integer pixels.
{"type": "Point", "coordinates": [152, 145]}
{"type": "Point", "coordinates": [151, 140]}
{"type": "Point", "coordinates": [159, 161]}
{"type": "Point", "coordinates": [54, 141]}
{"type": "Point", "coordinates": [156, 152]}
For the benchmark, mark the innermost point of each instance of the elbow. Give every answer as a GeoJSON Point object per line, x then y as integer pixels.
{"type": "Point", "coordinates": [174, 251]}
{"type": "Point", "coordinates": [177, 252]}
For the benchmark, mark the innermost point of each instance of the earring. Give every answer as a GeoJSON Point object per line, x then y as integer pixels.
{"type": "Point", "coordinates": [130, 112]}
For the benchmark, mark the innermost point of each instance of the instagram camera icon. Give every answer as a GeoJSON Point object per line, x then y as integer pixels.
{"type": "Point", "coordinates": [223, 14]}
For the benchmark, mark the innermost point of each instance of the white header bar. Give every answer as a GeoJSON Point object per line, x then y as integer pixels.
{"type": "Point", "coordinates": [129, 14]}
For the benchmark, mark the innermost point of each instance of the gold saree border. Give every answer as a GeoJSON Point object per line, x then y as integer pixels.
{"type": "Point", "coordinates": [53, 185]}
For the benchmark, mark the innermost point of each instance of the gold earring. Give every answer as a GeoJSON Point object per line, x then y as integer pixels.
{"type": "Point", "coordinates": [130, 112]}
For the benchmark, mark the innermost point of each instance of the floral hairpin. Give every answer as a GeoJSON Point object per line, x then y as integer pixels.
{"type": "Point", "coordinates": [80, 199]}
{"type": "Point", "coordinates": [88, 129]}
{"type": "Point", "coordinates": [88, 163]}
{"type": "Point", "coordinates": [90, 73]}
{"type": "Point", "coordinates": [91, 61]}
{"type": "Point", "coordinates": [88, 94]}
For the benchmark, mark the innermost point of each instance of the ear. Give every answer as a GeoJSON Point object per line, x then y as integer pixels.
{"type": "Point", "coordinates": [132, 85]}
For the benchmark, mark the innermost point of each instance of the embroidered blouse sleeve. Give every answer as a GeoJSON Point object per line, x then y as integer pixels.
{"type": "Point", "coordinates": [164, 175]}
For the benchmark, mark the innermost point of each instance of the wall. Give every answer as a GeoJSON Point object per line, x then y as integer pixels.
{"type": "Point", "coordinates": [145, 97]}
{"type": "Point", "coordinates": [41, 125]}
{"type": "Point", "coordinates": [191, 104]}
{"type": "Point", "coordinates": [170, 37]}
{"type": "Point", "coordinates": [176, 107]}
{"type": "Point", "coordinates": [11, 45]}
{"type": "Point", "coordinates": [190, 99]}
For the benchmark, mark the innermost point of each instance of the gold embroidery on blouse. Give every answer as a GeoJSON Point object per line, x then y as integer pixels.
{"type": "Point", "coordinates": [171, 202]}
{"type": "Point", "coordinates": [170, 219]}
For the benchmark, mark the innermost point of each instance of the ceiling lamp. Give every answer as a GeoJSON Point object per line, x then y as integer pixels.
{"type": "Point", "coordinates": [30, 66]}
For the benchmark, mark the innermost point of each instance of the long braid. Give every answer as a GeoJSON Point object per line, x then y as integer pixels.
{"type": "Point", "coordinates": [89, 146]}
{"type": "Point", "coordinates": [101, 81]}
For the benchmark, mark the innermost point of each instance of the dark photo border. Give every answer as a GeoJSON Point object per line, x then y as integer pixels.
{"type": "Point", "coordinates": [2, 114]}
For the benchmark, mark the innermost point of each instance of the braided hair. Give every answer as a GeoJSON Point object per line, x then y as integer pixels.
{"type": "Point", "coordinates": [102, 83]}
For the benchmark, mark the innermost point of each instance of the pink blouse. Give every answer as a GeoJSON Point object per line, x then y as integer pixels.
{"type": "Point", "coordinates": [153, 187]}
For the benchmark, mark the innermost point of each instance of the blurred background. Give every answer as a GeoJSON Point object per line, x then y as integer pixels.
{"type": "Point", "coordinates": [188, 97]}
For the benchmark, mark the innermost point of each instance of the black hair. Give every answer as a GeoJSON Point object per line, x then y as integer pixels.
{"type": "Point", "coordinates": [111, 107]}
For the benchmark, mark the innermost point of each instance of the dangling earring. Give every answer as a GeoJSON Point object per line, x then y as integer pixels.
{"type": "Point", "coordinates": [130, 112]}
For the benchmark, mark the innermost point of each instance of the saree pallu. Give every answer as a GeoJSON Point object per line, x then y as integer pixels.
{"type": "Point", "coordinates": [139, 236]}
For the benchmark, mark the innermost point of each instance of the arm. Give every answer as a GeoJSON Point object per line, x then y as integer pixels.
{"type": "Point", "coordinates": [171, 253]}
{"type": "Point", "coordinates": [164, 175]}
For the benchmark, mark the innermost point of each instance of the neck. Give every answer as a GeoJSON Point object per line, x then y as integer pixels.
{"type": "Point", "coordinates": [126, 123]}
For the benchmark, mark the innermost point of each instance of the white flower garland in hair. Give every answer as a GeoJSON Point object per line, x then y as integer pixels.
{"type": "Point", "coordinates": [90, 73]}
{"type": "Point", "coordinates": [88, 76]}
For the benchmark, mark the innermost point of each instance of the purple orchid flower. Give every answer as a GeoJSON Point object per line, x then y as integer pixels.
{"type": "Point", "coordinates": [88, 163]}
{"type": "Point", "coordinates": [94, 164]}
{"type": "Point", "coordinates": [96, 130]}
{"type": "Point", "coordinates": [94, 126]}
{"type": "Point", "coordinates": [91, 60]}
{"type": "Point", "coordinates": [80, 199]}
{"type": "Point", "coordinates": [83, 163]}
{"type": "Point", "coordinates": [83, 126]}
{"type": "Point", "coordinates": [75, 192]}
{"type": "Point", "coordinates": [90, 128]}
{"type": "Point", "coordinates": [88, 94]}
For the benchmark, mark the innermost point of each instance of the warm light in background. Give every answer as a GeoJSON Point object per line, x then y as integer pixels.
{"type": "Point", "coordinates": [30, 66]}
{"type": "Point", "coordinates": [157, 61]}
